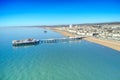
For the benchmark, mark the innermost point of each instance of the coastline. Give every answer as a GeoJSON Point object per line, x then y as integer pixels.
{"type": "Point", "coordinates": [64, 33]}
{"type": "Point", "coordinates": [108, 43]}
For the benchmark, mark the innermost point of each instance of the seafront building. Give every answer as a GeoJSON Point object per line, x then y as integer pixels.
{"type": "Point", "coordinates": [104, 31]}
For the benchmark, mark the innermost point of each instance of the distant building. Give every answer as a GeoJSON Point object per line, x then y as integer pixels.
{"type": "Point", "coordinates": [70, 26]}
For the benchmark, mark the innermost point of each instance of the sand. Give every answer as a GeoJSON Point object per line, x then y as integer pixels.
{"type": "Point", "coordinates": [108, 43]}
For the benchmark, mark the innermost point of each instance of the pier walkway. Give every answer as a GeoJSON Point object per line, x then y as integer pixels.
{"type": "Point", "coordinates": [54, 40]}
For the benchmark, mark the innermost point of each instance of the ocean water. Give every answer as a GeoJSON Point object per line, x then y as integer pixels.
{"type": "Point", "coordinates": [77, 60]}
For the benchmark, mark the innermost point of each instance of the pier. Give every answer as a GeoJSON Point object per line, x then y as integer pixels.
{"type": "Point", "coordinates": [31, 41]}
{"type": "Point", "coordinates": [28, 41]}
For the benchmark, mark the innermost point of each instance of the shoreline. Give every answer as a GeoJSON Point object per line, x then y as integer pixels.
{"type": "Point", "coordinates": [64, 33]}
{"type": "Point", "coordinates": [108, 43]}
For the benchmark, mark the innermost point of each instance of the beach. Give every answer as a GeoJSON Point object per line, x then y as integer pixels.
{"type": "Point", "coordinates": [108, 43]}
{"type": "Point", "coordinates": [64, 33]}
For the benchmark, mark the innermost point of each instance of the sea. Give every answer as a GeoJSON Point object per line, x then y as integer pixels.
{"type": "Point", "coordinates": [67, 60]}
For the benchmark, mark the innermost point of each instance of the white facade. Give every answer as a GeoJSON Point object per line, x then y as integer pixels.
{"type": "Point", "coordinates": [70, 26]}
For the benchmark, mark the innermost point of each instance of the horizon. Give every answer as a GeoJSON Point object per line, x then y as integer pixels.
{"type": "Point", "coordinates": [52, 12]}
{"type": "Point", "coordinates": [115, 22]}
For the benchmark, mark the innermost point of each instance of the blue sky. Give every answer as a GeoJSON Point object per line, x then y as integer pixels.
{"type": "Point", "coordinates": [52, 12]}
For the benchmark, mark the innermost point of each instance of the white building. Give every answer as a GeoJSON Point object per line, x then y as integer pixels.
{"type": "Point", "coordinates": [70, 26]}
